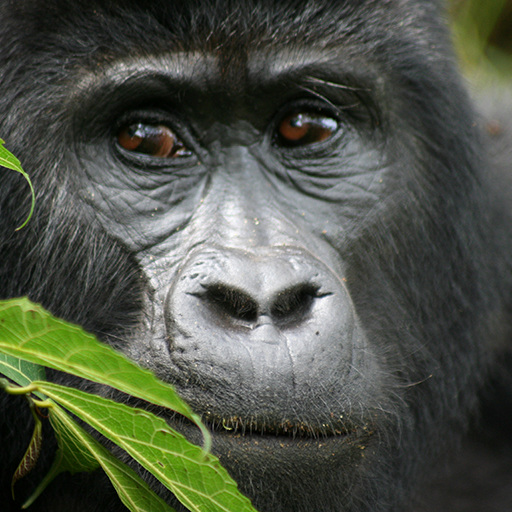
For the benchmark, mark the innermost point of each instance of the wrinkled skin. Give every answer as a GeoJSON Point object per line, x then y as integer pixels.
{"type": "Point", "coordinates": [327, 295]}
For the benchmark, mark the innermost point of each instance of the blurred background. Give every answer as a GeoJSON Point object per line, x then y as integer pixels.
{"type": "Point", "coordinates": [482, 31]}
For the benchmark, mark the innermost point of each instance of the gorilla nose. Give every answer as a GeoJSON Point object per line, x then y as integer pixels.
{"type": "Point", "coordinates": [267, 311]}
{"type": "Point", "coordinates": [272, 315]}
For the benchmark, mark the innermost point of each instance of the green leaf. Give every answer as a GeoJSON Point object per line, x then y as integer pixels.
{"type": "Point", "coordinates": [8, 160]}
{"type": "Point", "coordinates": [21, 372]}
{"type": "Point", "coordinates": [195, 477]}
{"type": "Point", "coordinates": [29, 332]}
{"type": "Point", "coordinates": [79, 451]}
{"type": "Point", "coordinates": [198, 480]}
{"type": "Point", "coordinates": [29, 460]}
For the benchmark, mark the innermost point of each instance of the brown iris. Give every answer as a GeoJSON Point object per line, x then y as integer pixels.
{"type": "Point", "coordinates": [153, 140]}
{"type": "Point", "coordinates": [303, 128]}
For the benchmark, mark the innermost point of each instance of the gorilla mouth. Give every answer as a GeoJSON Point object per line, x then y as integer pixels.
{"type": "Point", "coordinates": [236, 425]}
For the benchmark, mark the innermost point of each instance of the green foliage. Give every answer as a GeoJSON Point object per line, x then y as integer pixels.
{"type": "Point", "coordinates": [195, 476]}
{"type": "Point", "coordinates": [79, 451]}
{"type": "Point", "coordinates": [482, 37]}
{"type": "Point", "coordinates": [32, 334]}
{"type": "Point", "coordinates": [31, 455]}
{"type": "Point", "coordinates": [8, 160]}
{"type": "Point", "coordinates": [19, 371]}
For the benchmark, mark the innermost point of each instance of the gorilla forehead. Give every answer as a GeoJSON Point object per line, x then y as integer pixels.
{"type": "Point", "coordinates": [171, 25]}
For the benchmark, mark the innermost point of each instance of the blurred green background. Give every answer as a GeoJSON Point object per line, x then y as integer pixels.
{"type": "Point", "coordinates": [482, 31]}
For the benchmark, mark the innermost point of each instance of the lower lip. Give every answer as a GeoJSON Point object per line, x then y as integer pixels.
{"type": "Point", "coordinates": [284, 449]}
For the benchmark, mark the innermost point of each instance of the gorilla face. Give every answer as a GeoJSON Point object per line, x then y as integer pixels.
{"type": "Point", "coordinates": [275, 207]}
{"type": "Point", "coordinates": [227, 199]}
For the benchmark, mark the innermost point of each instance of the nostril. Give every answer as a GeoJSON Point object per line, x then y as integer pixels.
{"type": "Point", "coordinates": [293, 305]}
{"type": "Point", "coordinates": [232, 302]}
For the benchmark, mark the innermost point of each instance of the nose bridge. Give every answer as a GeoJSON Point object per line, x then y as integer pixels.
{"type": "Point", "coordinates": [241, 199]}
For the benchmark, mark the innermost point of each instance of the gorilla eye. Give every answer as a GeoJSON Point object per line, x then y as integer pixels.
{"type": "Point", "coordinates": [153, 140]}
{"type": "Point", "coordinates": [303, 128]}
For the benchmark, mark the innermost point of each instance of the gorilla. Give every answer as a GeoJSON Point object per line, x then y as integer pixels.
{"type": "Point", "coordinates": [288, 209]}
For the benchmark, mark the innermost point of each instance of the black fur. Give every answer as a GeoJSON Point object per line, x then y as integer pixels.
{"type": "Point", "coordinates": [402, 210]}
